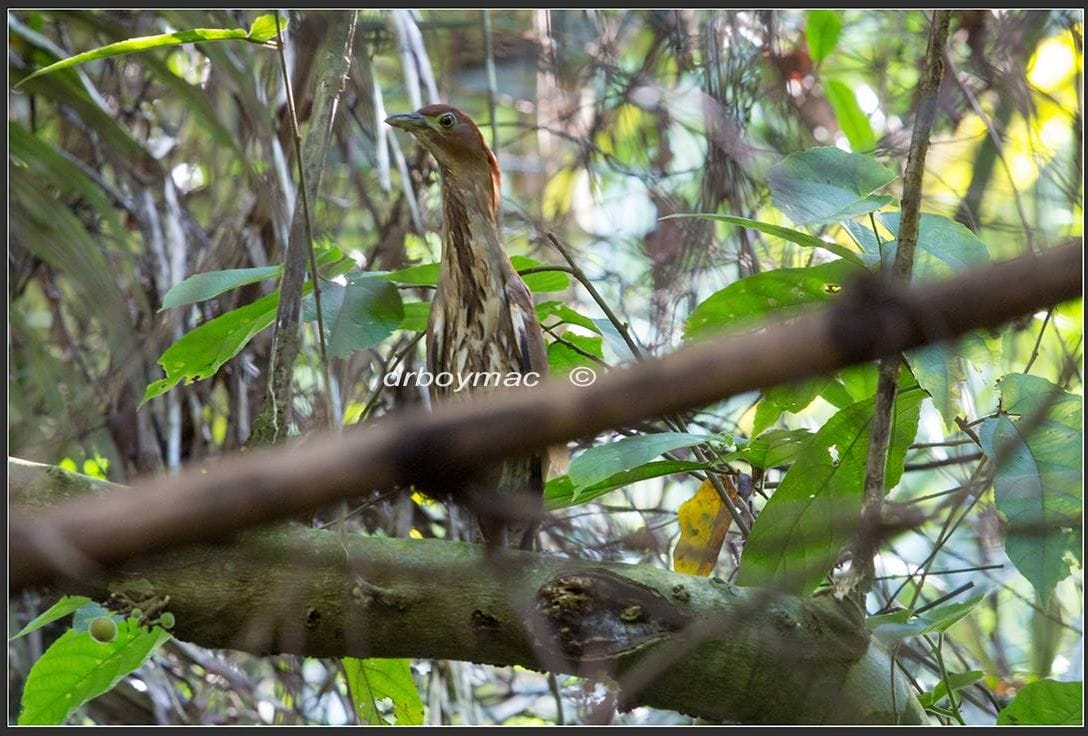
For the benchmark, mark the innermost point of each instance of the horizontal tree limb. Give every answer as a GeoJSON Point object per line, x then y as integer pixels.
{"type": "Point", "coordinates": [437, 450]}
{"type": "Point", "coordinates": [696, 645]}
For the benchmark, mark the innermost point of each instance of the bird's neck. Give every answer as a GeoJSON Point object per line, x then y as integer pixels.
{"type": "Point", "coordinates": [470, 232]}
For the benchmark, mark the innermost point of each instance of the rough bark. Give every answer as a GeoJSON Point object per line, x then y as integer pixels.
{"type": "Point", "coordinates": [696, 645]}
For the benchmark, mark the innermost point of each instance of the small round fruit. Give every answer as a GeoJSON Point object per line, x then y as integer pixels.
{"type": "Point", "coordinates": [103, 629]}
{"type": "Point", "coordinates": [167, 620]}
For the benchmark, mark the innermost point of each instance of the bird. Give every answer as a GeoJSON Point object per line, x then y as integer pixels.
{"type": "Point", "coordinates": [482, 318]}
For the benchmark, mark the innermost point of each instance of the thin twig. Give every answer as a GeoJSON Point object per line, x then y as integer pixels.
{"type": "Point", "coordinates": [888, 381]}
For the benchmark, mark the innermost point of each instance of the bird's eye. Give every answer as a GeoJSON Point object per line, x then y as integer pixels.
{"type": "Point", "coordinates": [447, 120]}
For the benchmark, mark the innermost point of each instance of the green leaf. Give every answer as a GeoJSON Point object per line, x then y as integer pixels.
{"type": "Point", "coordinates": [544, 281]}
{"type": "Point", "coordinates": [564, 315]}
{"type": "Point", "coordinates": [852, 119]}
{"type": "Point", "coordinates": [814, 512]}
{"type": "Point", "coordinates": [65, 606]}
{"type": "Point", "coordinates": [560, 491]}
{"type": "Point", "coordinates": [891, 627]}
{"type": "Point", "coordinates": [772, 449]}
{"type": "Point", "coordinates": [778, 231]}
{"type": "Point", "coordinates": [944, 248]}
{"type": "Point", "coordinates": [603, 461]}
{"type": "Point", "coordinates": [201, 286]}
{"type": "Point", "coordinates": [957, 681]}
{"type": "Point", "coordinates": [1045, 703]}
{"type": "Point", "coordinates": [359, 315]}
{"type": "Point", "coordinates": [827, 185]}
{"type": "Point", "coordinates": [791, 397]}
{"type": "Point", "coordinates": [562, 358]}
{"type": "Point", "coordinates": [941, 370]}
{"type": "Point", "coordinates": [424, 275]}
{"type": "Point", "coordinates": [77, 668]}
{"type": "Point", "coordinates": [614, 340]}
{"type": "Point", "coordinates": [264, 28]}
{"type": "Point", "coordinates": [200, 352]}
{"type": "Point", "coordinates": [416, 315]}
{"type": "Point", "coordinates": [766, 292]}
{"type": "Point", "coordinates": [1037, 488]}
{"type": "Point", "coordinates": [427, 275]}
{"type": "Point", "coordinates": [372, 680]}
{"type": "Point", "coordinates": [142, 43]}
{"type": "Point", "coordinates": [822, 30]}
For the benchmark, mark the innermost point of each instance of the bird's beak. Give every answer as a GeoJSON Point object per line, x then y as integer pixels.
{"type": "Point", "coordinates": [410, 121]}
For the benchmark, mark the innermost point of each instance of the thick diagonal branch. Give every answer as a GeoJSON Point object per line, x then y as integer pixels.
{"type": "Point", "coordinates": [435, 449]}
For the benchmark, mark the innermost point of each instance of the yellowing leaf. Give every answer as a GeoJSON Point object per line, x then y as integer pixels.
{"type": "Point", "coordinates": [558, 194]}
{"type": "Point", "coordinates": [704, 522]}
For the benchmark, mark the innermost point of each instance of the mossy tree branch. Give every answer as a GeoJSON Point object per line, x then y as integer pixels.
{"type": "Point", "coordinates": [695, 645]}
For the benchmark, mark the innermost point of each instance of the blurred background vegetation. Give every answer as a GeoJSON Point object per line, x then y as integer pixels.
{"type": "Point", "coordinates": [129, 174]}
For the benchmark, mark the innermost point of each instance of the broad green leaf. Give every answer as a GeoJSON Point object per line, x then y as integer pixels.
{"type": "Point", "coordinates": [358, 315]}
{"type": "Point", "coordinates": [264, 28]}
{"type": "Point", "coordinates": [791, 397]}
{"type": "Point", "coordinates": [603, 461]}
{"type": "Point", "coordinates": [1045, 703]}
{"type": "Point", "coordinates": [957, 681]}
{"type": "Point", "coordinates": [822, 28]}
{"type": "Point", "coordinates": [143, 43]}
{"type": "Point", "coordinates": [562, 357]}
{"type": "Point", "coordinates": [372, 680]}
{"type": "Point", "coordinates": [871, 249]}
{"type": "Point", "coordinates": [423, 275]}
{"type": "Point", "coordinates": [891, 627]}
{"type": "Point", "coordinates": [772, 449]}
{"type": "Point", "coordinates": [1038, 486]}
{"type": "Point", "coordinates": [560, 491]}
{"type": "Point", "coordinates": [427, 275]}
{"type": "Point", "coordinates": [945, 247]}
{"type": "Point", "coordinates": [416, 315]}
{"type": "Point", "coordinates": [941, 369]}
{"type": "Point", "coordinates": [564, 315]}
{"type": "Point", "coordinates": [852, 119]}
{"type": "Point", "coordinates": [827, 185]}
{"type": "Point", "coordinates": [778, 231]}
{"type": "Point", "coordinates": [200, 352]}
{"type": "Point", "coordinates": [77, 668]}
{"type": "Point", "coordinates": [201, 286]}
{"type": "Point", "coordinates": [760, 294]}
{"type": "Point", "coordinates": [65, 606]}
{"type": "Point", "coordinates": [540, 282]}
{"type": "Point", "coordinates": [814, 512]}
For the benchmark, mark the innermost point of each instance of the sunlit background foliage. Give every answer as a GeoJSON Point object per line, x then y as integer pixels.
{"type": "Point", "coordinates": [129, 174]}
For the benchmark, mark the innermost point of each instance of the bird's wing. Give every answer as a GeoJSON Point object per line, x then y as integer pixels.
{"type": "Point", "coordinates": [528, 337]}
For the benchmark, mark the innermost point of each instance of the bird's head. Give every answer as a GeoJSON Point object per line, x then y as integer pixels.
{"type": "Point", "coordinates": [457, 145]}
